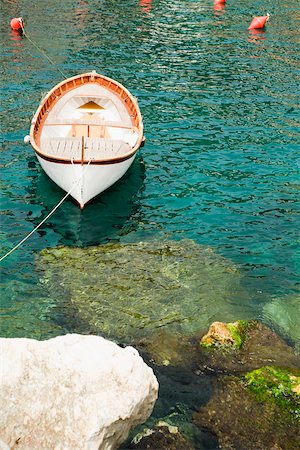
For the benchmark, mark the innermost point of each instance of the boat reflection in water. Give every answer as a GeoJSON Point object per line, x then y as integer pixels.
{"type": "Point", "coordinates": [145, 5]}
{"type": "Point", "coordinates": [219, 5]}
{"type": "Point", "coordinates": [105, 216]}
{"type": "Point", "coordinates": [256, 36]}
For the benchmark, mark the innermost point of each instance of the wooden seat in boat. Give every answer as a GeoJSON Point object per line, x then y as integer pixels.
{"type": "Point", "coordinates": [105, 148]}
{"type": "Point", "coordinates": [88, 129]}
{"type": "Point", "coordinates": [65, 147]}
{"type": "Point", "coordinates": [94, 148]}
{"type": "Point", "coordinates": [87, 126]}
{"type": "Point", "coordinates": [94, 121]}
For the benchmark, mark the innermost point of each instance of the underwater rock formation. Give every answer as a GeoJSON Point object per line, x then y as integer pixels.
{"type": "Point", "coordinates": [165, 348]}
{"type": "Point", "coordinates": [128, 291]}
{"type": "Point", "coordinates": [161, 437]}
{"type": "Point", "coordinates": [284, 314]}
{"type": "Point", "coordinates": [24, 310]}
{"type": "Point", "coordinates": [259, 346]}
{"type": "Point", "coordinates": [173, 431]}
{"type": "Point", "coordinates": [72, 392]}
{"type": "Point", "coordinates": [256, 412]}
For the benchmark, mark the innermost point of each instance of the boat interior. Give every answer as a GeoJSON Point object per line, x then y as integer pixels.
{"type": "Point", "coordinates": [90, 123]}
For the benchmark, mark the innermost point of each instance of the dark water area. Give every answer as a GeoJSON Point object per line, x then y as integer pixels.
{"type": "Point", "coordinates": [220, 106]}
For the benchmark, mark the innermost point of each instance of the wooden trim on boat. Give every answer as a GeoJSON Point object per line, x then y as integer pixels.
{"type": "Point", "coordinates": [65, 86]}
{"type": "Point", "coordinates": [93, 162]}
{"type": "Point", "coordinates": [72, 122]}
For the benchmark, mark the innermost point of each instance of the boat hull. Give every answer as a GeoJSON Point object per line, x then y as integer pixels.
{"type": "Point", "coordinates": [86, 133]}
{"type": "Point", "coordinates": [84, 181]}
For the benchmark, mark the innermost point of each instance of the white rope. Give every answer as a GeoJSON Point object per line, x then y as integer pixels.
{"type": "Point", "coordinates": [47, 217]}
{"type": "Point", "coordinates": [40, 50]}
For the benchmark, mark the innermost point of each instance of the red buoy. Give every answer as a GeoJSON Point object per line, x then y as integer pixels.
{"type": "Point", "coordinates": [17, 23]}
{"type": "Point", "coordinates": [219, 5]}
{"type": "Point", "coordinates": [145, 5]}
{"type": "Point", "coordinates": [258, 22]}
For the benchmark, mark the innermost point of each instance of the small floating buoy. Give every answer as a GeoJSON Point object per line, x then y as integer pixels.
{"type": "Point", "coordinates": [146, 5]}
{"type": "Point", "coordinates": [258, 22]}
{"type": "Point", "coordinates": [219, 5]}
{"type": "Point", "coordinates": [27, 139]}
{"type": "Point", "coordinates": [17, 23]}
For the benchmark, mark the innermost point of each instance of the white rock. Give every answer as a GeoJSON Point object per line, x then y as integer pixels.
{"type": "Point", "coordinates": [71, 392]}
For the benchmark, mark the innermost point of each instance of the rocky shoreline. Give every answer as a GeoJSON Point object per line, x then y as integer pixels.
{"type": "Point", "coordinates": [78, 391]}
{"type": "Point", "coordinates": [255, 398]}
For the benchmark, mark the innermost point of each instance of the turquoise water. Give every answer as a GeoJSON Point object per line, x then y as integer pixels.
{"type": "Point", "coordinates": [221, 163]}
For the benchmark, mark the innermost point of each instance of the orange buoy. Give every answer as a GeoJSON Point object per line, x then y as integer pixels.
{"type": "Point", "coordinates": [258, 22]}
{"type": "Point", "coordinates": [219, 5]}
{"type": "Point", "coordinates": [17, 23]}
{"type": "Point", "coordinates": [146, 5]}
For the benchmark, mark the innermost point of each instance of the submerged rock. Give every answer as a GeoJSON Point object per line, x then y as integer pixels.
{"type": "Point", "coordinates": [72, 392]}
{"type": "Point", "coordinates": [173, 431]}
{"type": "Point", "coordinates": [241, 419]}
{"type": "Point", "coordinates": [161, 437]}
{"type": "Point", "coordinates": [283, 314]}
{"type": "Point", "coordinates": [25, 311]}
{"type": "Point", "coordinates": [258, 346]}
{"type": "Point", "coordinates": [165, 348]}
{"type": "Point", "coordinates": [132, 290]}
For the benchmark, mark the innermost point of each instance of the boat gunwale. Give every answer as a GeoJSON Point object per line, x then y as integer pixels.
{"type": "Point", "coordinates": [40, 116]}
{"type": "Point", "coordinates": [92, 162]}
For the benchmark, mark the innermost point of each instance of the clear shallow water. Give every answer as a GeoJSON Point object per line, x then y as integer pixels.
{"type": "Point", "coordinates": [221, 162]}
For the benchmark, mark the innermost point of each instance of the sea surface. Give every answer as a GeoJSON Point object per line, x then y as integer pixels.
{"type": "Point", "coordinates": [220, 167]}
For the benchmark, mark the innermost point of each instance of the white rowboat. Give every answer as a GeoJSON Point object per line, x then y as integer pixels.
{"type": "Point", "coordinates": [86, 133]}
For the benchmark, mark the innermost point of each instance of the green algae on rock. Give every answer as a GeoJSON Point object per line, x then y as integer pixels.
{"type": "Point", "coordinates": [127, 291]}
{"type": "Point", "coordinates": [260, 345]}
{"type": "Point", "coordinates": [276, 384]}
{"type": "Point", "coordinates": [241, 421]}
{"type": "Point", "coordinates": [259, 397]}
{"type": "Point", "coordinates": [225, 334]}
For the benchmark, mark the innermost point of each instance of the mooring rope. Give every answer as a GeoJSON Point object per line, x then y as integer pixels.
{"type": "Point", "coordinates": [47, 217]}
{"type": "Point", "coordinates": [40, 49]}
